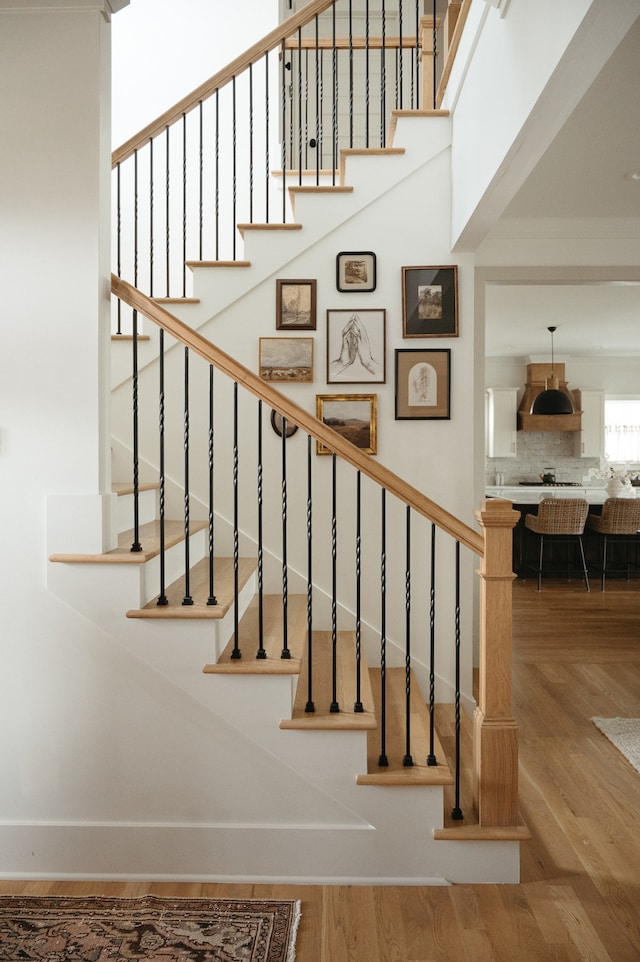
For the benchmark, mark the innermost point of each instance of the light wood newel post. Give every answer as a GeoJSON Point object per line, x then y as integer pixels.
{"type": "Point", "coordinates": [495, 729]}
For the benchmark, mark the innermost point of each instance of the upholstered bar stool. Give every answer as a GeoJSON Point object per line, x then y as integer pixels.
{"type": "Point", "coordinates": [559, 519]}
{"type": "Point", "coordinates": [619, 522]}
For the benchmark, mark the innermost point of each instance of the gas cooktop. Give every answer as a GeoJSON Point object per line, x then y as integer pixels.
{"type": "Point", "coordinates": [550, 484]}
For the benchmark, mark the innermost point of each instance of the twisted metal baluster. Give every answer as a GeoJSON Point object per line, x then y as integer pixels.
{"type": "Point", "coordinates": [407, 761]}
{"type": "Point", "coordinates": [236, 653]}
{"type": "Point", "coordinates": [235, 166]}
{"type": "Point", "coordinates": [151, 199]}
{"type": "Point", "coordinates": [383, 80]}
{"type": "Point", "coordinates": [184, 205]}
{"type": "Point", "coordinates": [431, 758]}
{"type": "Point", "coordinates": [200, 185]}
{"type": "Point", "coordinates": [400, 81]}
{"type": "Point", "coordinates": [135, 218]}
{"type": "Point", "coordinates": [285, 65]}
{"type": "Point", "coordinates": [310, 706]}
{"type": "Point", "coordinates": [167, 192]}
{"type": "Point", "coordinates": [162, 596]}
{"type": "Point", "coordinates": [457, 811]}
{"type": "Point", "coordinates": [136, 546]}
{"type": "Point", "coordinates": [285, 568]}
{"type": "Point", "coordinates": [187, 600]}
{"type": "Point", "coordinates": [383, 760]}
{"type": "Point", "coordinates": [358, 706]}
{"type": "Point", "coordinates": [334, 111]}
{"type": "Point", "coordinates": [366, 75]}
{"type": "Point", "coordinates": [251, 143]}
{"type": "Point", "coordinates": [118, 246]}
{"type": "Point", "coordinates": [350, 74]}
{"type": "Point", "coordinates": [267, 166]}
{"type": "Point", "coordinates": [335, 707]}
{"type": "Point", "coordinates": [261, 650]}
{"type": "Point", "coordinates": [217, 168]}
{"type": "Point", "coordinates": [211, 600]}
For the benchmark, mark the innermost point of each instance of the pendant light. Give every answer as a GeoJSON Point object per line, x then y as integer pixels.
{"type": "Point", "coordinates": [552, 400]}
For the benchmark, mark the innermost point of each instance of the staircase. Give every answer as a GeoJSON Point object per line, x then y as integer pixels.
{"type": "Point", "coordinates": [283, 777]}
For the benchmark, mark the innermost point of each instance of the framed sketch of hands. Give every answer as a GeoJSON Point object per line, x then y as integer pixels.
{"type": "Point", "coordinates": [356, 345]}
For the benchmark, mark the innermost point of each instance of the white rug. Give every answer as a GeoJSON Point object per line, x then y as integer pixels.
{"type": "Point", "coordinates": [624, 733]}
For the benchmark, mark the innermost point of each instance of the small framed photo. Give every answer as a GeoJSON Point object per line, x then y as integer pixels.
{"type": "Point", "coordinates": [430, 301]}
{"type": "Point", "coordinates": [356, 271]}
{"type": "Point", "coordinates": [277, 422]}
{"type": "Point", "coordinates": [423, 385]}
{"type": "Point", "coordinates": [356, 346]}
{"type": "Point", "coordinates": [286, 358]}
{"type": "Point", "coordinates": [353, 416]}
{"type": "Point", "coordinates": [295, 305]}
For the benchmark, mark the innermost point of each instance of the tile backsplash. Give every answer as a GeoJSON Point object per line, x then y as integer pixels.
{"type": "Point", "coordinates": [538, 450]}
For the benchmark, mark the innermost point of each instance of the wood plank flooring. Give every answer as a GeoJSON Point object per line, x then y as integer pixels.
{"type": "Point", "coordinates": [575, 655]}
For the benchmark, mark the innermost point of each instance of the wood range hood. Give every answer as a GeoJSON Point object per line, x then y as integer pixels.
{"type": "Point", "coordinates": [538, 376]}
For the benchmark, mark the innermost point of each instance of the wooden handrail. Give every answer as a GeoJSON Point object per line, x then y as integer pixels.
{"type": "Point", "coordinates": [219, 79]}
{"type": "Point", "coordinates": [297, 415]}
{"type": "Point", "coordinates": [453, 49]}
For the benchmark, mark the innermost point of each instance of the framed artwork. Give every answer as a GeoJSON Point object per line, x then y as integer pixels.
{"type": "Point", "coordinates": [352, 416]}
{"type": "Point", "coordinates": [295, 305]}
{"type": "Point", "coordinates": [286, 358]}
{"type": "Point", "coordinates": [356, 346]}
{"type": "Point", "coordinates": [429, 301]}
{"type": "Point", "coordinates": [423, 385]}
{"type": "Point", "coordinates": [356, 271]}
{"type": "Point", "coordinates": [277, 422]}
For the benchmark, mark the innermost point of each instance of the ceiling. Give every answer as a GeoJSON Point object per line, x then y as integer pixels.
{"type": "Point", "coordinates": [581, 175]}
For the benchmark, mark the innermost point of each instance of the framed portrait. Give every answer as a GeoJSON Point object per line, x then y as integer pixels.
{"type": "Point", "coordinates": [277, 422]}
{"type": "Point", "coordinates": [286, 358]}
{"type": "Point", "coordinates": [356, 271]}
{"type": "Point", "coordinates": [430, 301]}
{"type": "Point", "coordinates": [356, 346]}
{"type": "Point", "coordinates": [423, 385]}
{"type": "Point", "coordinates": [295, 305]}
{"type": "Point", "coordinates": [352, 416]}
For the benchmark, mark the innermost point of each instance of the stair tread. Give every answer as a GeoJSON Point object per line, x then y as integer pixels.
{"type": "Point", "coordinates": [272, 642]}
{"type": "Point", "coordinates": [346, 719]}
{"type": "Point", "coordinates": [149, 537]}
{"type": "Point", "coordinates": [199, 591]}
{"type": "Point", "coordinates": [192, 264]}
{"type": "Point", "coordinates": [126, 487]}
{"type": "Point", "coordinates": [396, 773]}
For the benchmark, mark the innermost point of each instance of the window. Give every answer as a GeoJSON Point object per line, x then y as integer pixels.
{"type": "Point", "coordinates": [622, 429]}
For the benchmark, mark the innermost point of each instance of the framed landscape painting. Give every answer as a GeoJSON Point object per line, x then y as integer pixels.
{"type": "Point", "coordinates": [356, 271]}
{"type": "Point", "coordinates": [286, 358]}
{"type": "Point", "coordinates": [423, 385]}
{"type": "Point", "coordinates": [352, 416]}
{"type": "Point", "coordinates": [356, 346]}
{"type": "Point", "coordinates": [430, 301]}
{"type": "Point", "coordinates": [295, 305]}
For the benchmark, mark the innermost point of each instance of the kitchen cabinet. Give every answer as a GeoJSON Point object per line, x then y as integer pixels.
{"type": "Point", "coordinates": [592, 433]}
{"type": "Point", "coordinates": [501, 422]}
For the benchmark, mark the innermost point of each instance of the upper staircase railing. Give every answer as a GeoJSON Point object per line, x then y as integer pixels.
{"type": "Point", "coordinates": [324, 80]}
{"type": "Point", "coordinates": [380, 590]}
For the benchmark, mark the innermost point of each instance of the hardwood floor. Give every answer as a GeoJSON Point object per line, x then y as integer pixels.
{"type": "Point", "coordinates": [576, 655]}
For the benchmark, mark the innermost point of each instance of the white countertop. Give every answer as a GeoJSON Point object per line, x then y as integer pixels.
{"type": "Point", "coordinates": [525, 494]}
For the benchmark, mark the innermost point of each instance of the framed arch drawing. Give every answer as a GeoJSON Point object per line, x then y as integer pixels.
{"type": "Point", "coordinates": [423, 385]}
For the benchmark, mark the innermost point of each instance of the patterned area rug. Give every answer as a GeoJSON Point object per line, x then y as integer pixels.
{"type": "Point", "coordinates": [624, 733]}
{"type": "Point", "coordinates": [131, 930]}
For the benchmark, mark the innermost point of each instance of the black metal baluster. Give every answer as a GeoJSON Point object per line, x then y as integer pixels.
{"type": "Point", "coordinates": [162, 596]}
{"type": "Point", "coordinates": [310, 706]}
{"type": "Point", "coordinates": [366, 73]}
{"type": "Point", "coordinates": [135, 218]}
{"type": "Point", "coordinates": [267, 167]}
{"type": "Point", "coordinates": [335, 707]}
{"type": "Point", "coordinates": [299, 72]}
{"type": "Point", "coordinates": [417, 56]}
{"type": "Point", "coordinates": [251, 143]}
{"type": "Point", "coordinates": [187, 600]}
{"type": "Point", "coordinates": [261, 649]}
{"type": "Point", "coordinates": [118, 246]}
{"type": "Point", "coordinates": [217, 175]}
{"type": "Point", "coordinates": [200, 181]}
{"type": "Point", "coordinates": [184, 205]}
{"type": "Point", "coordinates": [285, 568]}
{"type": "Point", "coordinates": [399, 98]}
{"type": "Point", "coordinates": [151, 198]}
{"type": "Point", "coordinates": [383, 79]}
{"type": "Point", "coordinates": [136, 546]}
{"type": "Point", "coordinates": [234, 207]}
{"type": "Point", "coordinates": [457, 811]}
{"type": "Point", "coordinates": [320, 148]}
{"type": "Point", "coordinates": [383, 760]}
{"type": "Point", "coordinates": [167, 189]}
{"type": "Point", "coordinates": [211, 600]}
{"type": "Point", "coordinates": [306, 110]}
{"type": "Point", "coordinates": [358, 706]}
{"type": "Point", "coordinates": [316, 143]}
{"type": "Point", "coordinates": [431, 758]}
{"type": "Point", "coordinates": [334, 110]}
{"type": "Point", "coordinates": [350, 74]}
{"type": "Point", "coordinates": [407, 761]}
{"type": "Point", "coordinates": [236, 653]}
{"type": "Point", "coordinates": [434, 55]}
{"type": "Point", "coordinates": [286, 65]}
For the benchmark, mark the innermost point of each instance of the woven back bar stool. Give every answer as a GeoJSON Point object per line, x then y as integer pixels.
{"type": "Point", "coordinates": [619, 522]}
{"type": "Point", "coordinates": [559, 519]}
